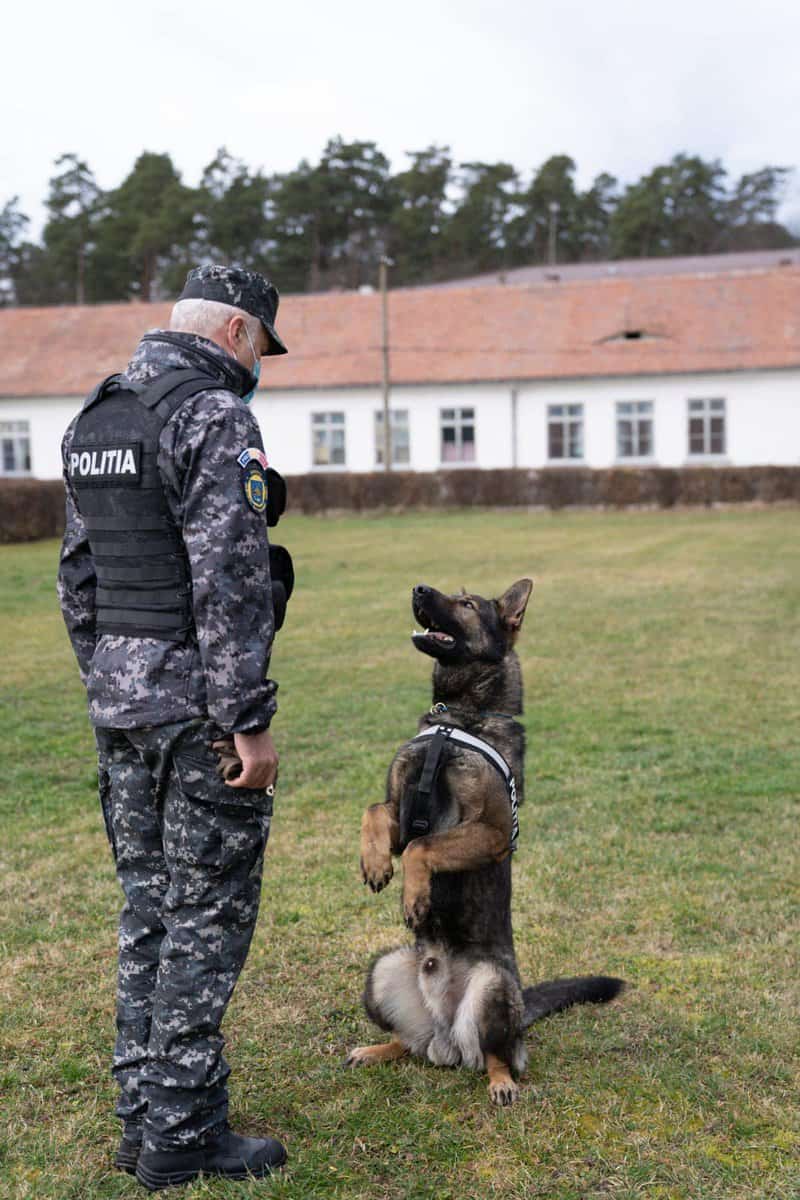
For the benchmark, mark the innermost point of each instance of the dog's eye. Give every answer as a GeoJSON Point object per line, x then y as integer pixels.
{"type": "Point", "coordinates": [467, 604]}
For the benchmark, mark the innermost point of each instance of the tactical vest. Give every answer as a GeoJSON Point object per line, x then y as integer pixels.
{"type": "Point", "coordinates": [141, 565]}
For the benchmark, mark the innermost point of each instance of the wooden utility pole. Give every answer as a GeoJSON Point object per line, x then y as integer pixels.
{"type": "Point", "coordinates": [383, 269]}
{"type": "Point", "coordinates": [554, 207]}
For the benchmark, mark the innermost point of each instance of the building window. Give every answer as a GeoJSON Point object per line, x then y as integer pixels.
{"type": "Point", "coordinates": [706, 426]}
{"type": "Point", "coordinates": [398, 433]}
{"type": "Point", "coordinates": [327, 439]}
{"type": "Point", "coordinates": [15, 448]}
{"type": "Point", "coordinates": [458, 435]}
{"type": "Point", "coordinates": [565, 431]}
{"type": "Point", "coordinates": [635, 429]}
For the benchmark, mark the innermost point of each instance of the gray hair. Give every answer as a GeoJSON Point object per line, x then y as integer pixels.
{"type": "Point", "coordinates": [208, 317]}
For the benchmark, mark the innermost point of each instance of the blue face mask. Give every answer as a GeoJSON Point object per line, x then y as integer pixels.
{"type": "Point", "coordinates": [255, 369]}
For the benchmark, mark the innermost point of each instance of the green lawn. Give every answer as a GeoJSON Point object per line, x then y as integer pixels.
{"type": "Point", "coordinates": [659, 841]}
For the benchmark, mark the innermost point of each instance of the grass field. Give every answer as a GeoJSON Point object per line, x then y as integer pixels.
{"type": "Point", "coordinates": [661, 655]}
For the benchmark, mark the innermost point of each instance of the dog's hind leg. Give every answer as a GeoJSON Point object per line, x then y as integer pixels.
{"type": "Point", "coordinates": [502, 1088]}
{"type": "Point", "coordinates": [393, 1000]}
{"type": "Point", "coordinates": [488, 1026]}
{"type": "Point", "coordinates": [381, 1052]}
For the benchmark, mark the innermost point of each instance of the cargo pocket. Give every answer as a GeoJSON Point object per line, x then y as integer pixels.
{"type": "Point", "coordinates": [104, 792]}
{"type": "Point", "coordinates": [244, 834]}
{"type": "Point", "coordinates": [213, 836]}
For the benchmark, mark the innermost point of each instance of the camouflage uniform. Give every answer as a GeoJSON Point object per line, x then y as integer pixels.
{"type": "Point", "coordinates": [188, 849]}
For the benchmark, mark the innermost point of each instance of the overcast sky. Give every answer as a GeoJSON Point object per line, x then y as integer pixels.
{"type": "Point", "coordinates": [619, 85]}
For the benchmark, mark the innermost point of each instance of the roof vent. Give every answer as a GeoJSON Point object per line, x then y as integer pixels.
{"type": "Point", "coordinates": [628, 334]}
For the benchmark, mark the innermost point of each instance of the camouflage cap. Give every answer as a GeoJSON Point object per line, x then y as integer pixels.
{"type": "Point", "coordinates": [243, 289]}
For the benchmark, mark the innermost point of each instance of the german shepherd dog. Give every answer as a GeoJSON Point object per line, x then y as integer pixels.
{"type": "Point", "coordinates": [455, 996]}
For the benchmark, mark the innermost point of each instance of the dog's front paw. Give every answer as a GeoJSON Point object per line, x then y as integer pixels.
{"type": "Point", "coordinates": [416, 905]}
{"type": "Point", "coordinates": [416, 886]}
{"type": "Point", "coordinates": [376, 870]}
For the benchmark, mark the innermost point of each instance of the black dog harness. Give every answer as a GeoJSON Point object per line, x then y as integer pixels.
{"type": "Point", "coordinates": [439, 735]}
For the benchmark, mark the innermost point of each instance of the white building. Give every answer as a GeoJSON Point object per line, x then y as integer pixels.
{"type": "Point", "coordinates": [587, 367]}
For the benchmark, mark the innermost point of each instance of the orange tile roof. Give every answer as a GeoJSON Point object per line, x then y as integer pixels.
{"type": "Point", "coordinates": [737, 321]}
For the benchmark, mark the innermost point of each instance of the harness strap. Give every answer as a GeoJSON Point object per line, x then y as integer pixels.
{"type": "Point", "coordinates": [470, 742]}
{"type": "Point", "coordinates": [154, 391]}
{"type": "Point", "coordinates": [167, 394]}
{"type": "Point", "coordinates": [185, 381]}
{"type": "Point", "coordinates": [420, 816]}
{"type": "Point", "coordinates": [99, 391]}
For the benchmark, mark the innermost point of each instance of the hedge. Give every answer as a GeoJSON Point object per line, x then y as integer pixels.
{"type": "Point", "coordinates": [31, 508]}
{"type": "Point", "coordinates": [550, 487]}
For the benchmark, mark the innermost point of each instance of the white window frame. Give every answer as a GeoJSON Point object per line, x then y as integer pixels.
{"type": "Point", "coordinates": [326, 424]}
{"type": "Point", "coordinates": [400, 447]}
{"type": "Point", "coordinates": [569, 417]}
{"type": "Point", "coordinates": [706, 409]}
{"type": "Point", "coordinates": [461, 418]}
{"type": "Point", "coordinates": [637, 412]}
{"type": "Point", "coordinates": [15, 435]}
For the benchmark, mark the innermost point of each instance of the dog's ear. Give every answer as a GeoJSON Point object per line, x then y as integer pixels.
{"type": "Point", "coordinates": [512, 604]}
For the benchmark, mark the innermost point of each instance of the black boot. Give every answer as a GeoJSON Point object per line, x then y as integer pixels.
{"type": "Point", "coordinates": [128, 1150]}
{"type": "Point", "coordinates": [229, 1154]}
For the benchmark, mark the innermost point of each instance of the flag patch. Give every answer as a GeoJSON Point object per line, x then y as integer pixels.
{"type": "Point", "coordinates": [253, 454]}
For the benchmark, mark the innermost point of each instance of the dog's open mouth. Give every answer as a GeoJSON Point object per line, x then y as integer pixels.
{"type": "Point", "coordinates": [438, 635]}
{"type": "Point", "coordinates": [431, 631]}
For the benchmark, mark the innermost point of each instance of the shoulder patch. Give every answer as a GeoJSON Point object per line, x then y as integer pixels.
{"type": "Point", "coordinates": [255, 487]}
{"type": "Point", "coordinates": [253, 454]}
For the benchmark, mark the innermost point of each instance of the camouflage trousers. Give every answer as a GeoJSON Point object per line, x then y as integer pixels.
{"type": "Point", "coordinates": [189, 854]}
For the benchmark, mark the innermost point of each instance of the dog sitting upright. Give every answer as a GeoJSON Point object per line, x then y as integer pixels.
{"type": "Point", "coordinates": [455, 996]}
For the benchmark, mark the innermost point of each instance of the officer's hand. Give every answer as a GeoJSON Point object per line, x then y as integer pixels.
{"type": "Point", "coordinates": [259, 760]}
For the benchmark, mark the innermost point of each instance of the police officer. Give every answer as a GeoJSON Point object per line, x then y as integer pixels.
{"type": "Point", "coordinates": [164, 584]}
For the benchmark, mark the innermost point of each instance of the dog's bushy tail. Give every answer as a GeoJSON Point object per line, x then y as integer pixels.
{"type": "Point", "coordinates": [554, 995]}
